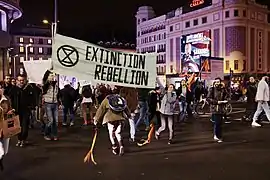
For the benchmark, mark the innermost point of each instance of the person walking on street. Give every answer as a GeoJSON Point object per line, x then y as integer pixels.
{"type": "Point", "coordinates": [251, 104]}
{"type": "Point", "coordinates": [68, 97]}
{"type": "Point", "coordinates": [22, 100]}
{"type": "Point", "coordinates": [51, 98]}
{"type": "Point", "coordinates": [218, 98]}
{"type": "Point", "coordinates": [167, 112]}
{"type": "Point", "coordinates": [262, 98]}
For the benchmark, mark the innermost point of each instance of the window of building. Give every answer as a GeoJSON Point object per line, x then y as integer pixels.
{"type": "Point", "coordinates": [244, 13]}
{"type": "Point", "coordinates": [21, 59]}
{"type": "Point", "coordinates": [21, 40]}
{"type": "Point", "coordinates": [204, 20]}
{"type": "Point", "coordinates": [31, 50]}
{"type": "Point", "coordinates": [195, 22]}
{"type": "Point", "coordinates": [236, 65]}
{"type": "Point", "coordinates": [227, 14]}
{"type": "Point", "coordinates": [162, 69]}
{"type": "Point", "coordinates": [21, 71]}
{"type": "Point", "coordinates": [143, 19]}
{"type": "Point", "coordinates": [164, 35]}
{"type": "Point", "coordinates": [244, 65]}
{"type": "Point", "coordinates": [138, 35]}
{"type": "Point", "coordinates": [21, 49]}
{"type": "Point", "coordinates": [40, 50]}
{"type": "Point", "coordinates": [49, 41]}
{"type": "Point", "coordinates": [171, 28]}
{"type": "Point", "coordinates": [236, 13]}
{"type": "Point", "coordinates": [10, 71]}
{"type": "Point", "coordinates": [31, 40]}
{"type": "Point", "coordinates": [227, 65]}
{"type": "Point", "coordinates": [31, 58]}
{"type": "Point", "coordinates": [171, 68]}
{"type": "Point", "coordinates": [187, 24]}
{"type": "Point", "coordinates": [40, 41]}
{"type": "Point", "coordinates": [157, 69]}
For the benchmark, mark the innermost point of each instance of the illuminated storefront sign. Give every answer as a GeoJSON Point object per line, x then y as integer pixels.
{"type": "Point", "coordinates": [195, 3]}
{"type": "Point", "coordinates": [193, 46]}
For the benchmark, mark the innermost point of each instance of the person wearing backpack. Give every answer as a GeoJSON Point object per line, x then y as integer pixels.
{"type": "Point", "coordinates": [87, 103]}
{"type": "Point", "coordinates": [113, 111]}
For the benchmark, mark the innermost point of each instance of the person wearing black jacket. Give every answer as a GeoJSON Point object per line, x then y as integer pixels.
{"type": "Point", "coordinates": [87, 103]}
{"type": "Point", "coordinates": [154, 106]}
{"type": "Point", "coordinates": [251, 105]}
{"type": "Point", "coordinates": [22, 100]}
{"type": "Point", "coordinates": [68, 97]}
{"type": "Point", "coordinates": [7, 85]}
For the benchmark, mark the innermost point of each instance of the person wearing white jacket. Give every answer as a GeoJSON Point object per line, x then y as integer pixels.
{"type": "Point", "coordinates": [262, 97]}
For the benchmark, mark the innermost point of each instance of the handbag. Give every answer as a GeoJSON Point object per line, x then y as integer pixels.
{"type": "Point", "coordinates": [11, 126]}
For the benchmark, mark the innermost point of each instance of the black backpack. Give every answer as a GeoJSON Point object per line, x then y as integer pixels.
{"type": "Point", "coordinates": [86, 91]}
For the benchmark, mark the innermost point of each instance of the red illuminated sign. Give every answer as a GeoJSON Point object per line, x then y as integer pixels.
{"type": "Point", "coordinates": [195, 3]}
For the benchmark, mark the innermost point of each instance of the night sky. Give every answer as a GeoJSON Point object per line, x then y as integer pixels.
{"type": "Point", "coordinates": [94, 20]}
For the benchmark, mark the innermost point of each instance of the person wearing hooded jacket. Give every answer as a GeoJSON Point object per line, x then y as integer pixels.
{"type": "Point", "coordinates": [68, 97]}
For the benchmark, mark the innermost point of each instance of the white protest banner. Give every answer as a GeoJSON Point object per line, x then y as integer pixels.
{"type": "Point", "coordinates": [73, 57]}
{"type": "Point", "coordinates": [84, 83]}
{"type": "Point", "coordinates": [36, 69]}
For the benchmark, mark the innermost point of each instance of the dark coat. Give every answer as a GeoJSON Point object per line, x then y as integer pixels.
{"type": "Point", "coordinates": [216, 94]}
{"type": "Point", "coordinates": [251, 92]}
{"type": "Point", "coordinates": [68, 96]}
{"type": "Point", "coordinates": [22, 99]}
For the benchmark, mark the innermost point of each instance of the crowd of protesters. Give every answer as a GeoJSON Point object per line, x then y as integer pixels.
{"type": "Point", "coordinates": [163, 106]}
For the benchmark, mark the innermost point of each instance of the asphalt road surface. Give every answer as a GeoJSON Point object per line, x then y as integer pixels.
{"type": "Point", "coordinates": [244, 155]}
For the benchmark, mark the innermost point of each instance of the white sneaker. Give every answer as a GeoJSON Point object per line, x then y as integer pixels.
{"type": "Point", "coordinates": [255, 124]}
{"type": "Point", "coordinates": [217, 139]}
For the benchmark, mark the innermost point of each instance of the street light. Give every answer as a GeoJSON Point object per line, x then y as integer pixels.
{"type": "Point", "coordinates": [45, 21]}
{"type": "Point", "coordinates": [26, 50]}
{"type": "Point", "coordinates": [53, 26]}
{"type": "Point", "coordinates": [14, 65]}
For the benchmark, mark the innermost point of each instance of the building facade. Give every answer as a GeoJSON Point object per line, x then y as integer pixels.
{"type": "Point", "coordinates": [9, 11]}
{"type": "Point", "coordinates": [236, 30]}
{"type": "Point", "coordinates": [29, 44]}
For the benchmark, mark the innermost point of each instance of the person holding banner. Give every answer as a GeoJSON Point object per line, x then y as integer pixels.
{"type": "Point", "coordinates": [113, 111]}
{"type": "Point", "coordinates": [51, 98]}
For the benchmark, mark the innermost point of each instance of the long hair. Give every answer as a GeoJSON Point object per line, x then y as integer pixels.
{"type": "Point", "coordinates": [131, 96]}
{"type": "Point", "coordinates": [46, 83]}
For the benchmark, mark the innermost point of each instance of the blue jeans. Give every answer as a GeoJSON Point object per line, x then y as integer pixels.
{"type": "Point", "coordinates": [33, 118]}
{"type": "Point", "coordinates": [143, 114]}
{"type": "Point", "coordinates": [217, 118]}
{"type": "Point", "coordinates": [183, 110]}
{"type": "Point", "coordinates": [52, 119]}
{"type": "Point", "coordinates": [71, 112]}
